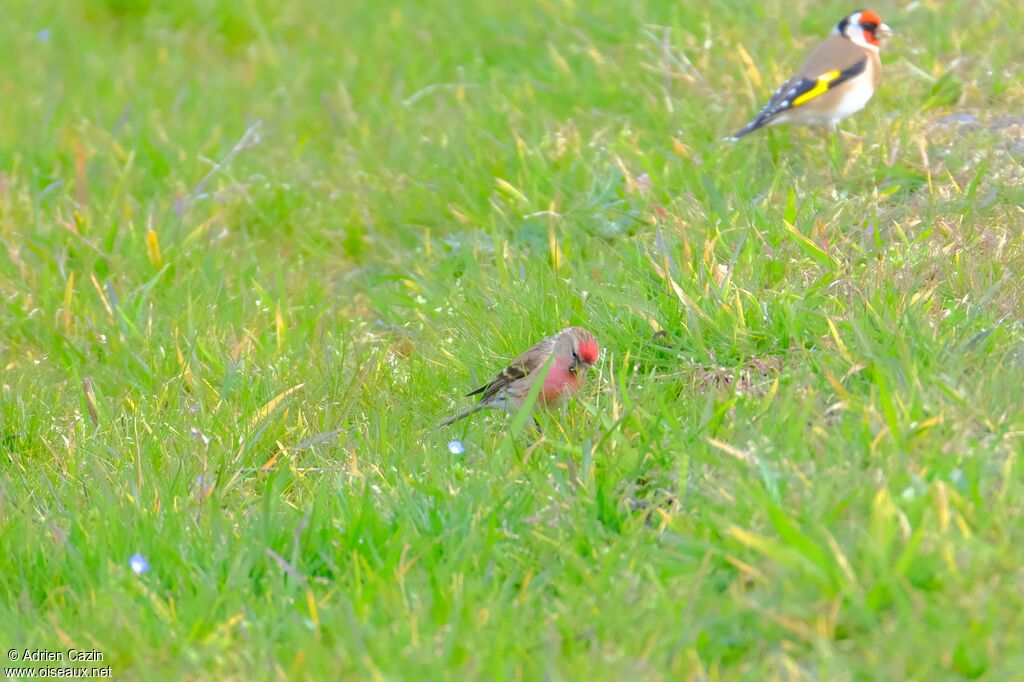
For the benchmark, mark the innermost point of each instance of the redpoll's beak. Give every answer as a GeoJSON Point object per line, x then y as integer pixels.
{"type": "Point", "coordinates": [578, 366]}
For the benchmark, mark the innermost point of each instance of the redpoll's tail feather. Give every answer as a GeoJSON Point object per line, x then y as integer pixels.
{"type": "Point", "coordinates": [461, 415]}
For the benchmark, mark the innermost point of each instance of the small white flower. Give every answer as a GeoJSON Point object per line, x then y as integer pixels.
{"type": "Point", "coordinates": [138, 563]}
{"type": "Point", "coordinates": [456, 447]}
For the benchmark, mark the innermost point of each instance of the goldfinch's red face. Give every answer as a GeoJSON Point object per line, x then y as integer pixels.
{"type": "Point", "coordinates": [864, 28]}
{"type": "Point", "coordinates": [870, 23]}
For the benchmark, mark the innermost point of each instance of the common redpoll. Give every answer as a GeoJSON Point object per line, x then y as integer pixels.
{"type": "Point", "coordinates": [574, 349]}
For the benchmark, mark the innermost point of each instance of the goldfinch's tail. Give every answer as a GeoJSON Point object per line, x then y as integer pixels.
{"type": "Point", "coordinates": [756, 124]}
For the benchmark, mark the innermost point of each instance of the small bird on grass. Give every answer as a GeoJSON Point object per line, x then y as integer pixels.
{"type": "Point", "coordinates": [838, 78]}
{"type": "Point", "coordinates": [572, 352]}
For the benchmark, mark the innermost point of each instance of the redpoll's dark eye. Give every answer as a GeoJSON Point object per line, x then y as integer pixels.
{"type": "Point", "coordinates": [575, 356]}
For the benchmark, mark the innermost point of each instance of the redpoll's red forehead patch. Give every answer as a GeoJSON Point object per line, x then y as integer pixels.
{"type": "Point", "coordinates": [589, 350]}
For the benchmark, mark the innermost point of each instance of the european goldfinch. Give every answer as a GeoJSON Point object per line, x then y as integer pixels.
{"type": "Point", "coordinates": [838, 78]}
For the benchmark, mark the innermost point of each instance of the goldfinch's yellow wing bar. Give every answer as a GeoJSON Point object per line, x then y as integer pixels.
{"type": "Point", "coordinates": [807, 89]}
{"type": "Point", "coordinates": [795, 94]}
{"type": "Point", "coordinates": [820, 87]}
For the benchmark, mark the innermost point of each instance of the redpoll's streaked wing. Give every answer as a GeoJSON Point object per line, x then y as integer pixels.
{"type": "Point", "coordinates": [518, 369]}
{"type": "Point", "coordinates": [494, 386]}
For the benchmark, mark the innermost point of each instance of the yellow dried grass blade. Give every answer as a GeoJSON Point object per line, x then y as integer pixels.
{"type": "Point", "coordinates": [103, 296]}
{"type": "Point", "coordinates": [510, 189]}
{"type": "Point", "coordinates": [153, 249]}
{"type": "Point", "coordinates": [313, 613]}
{"type": "Point", "coordinates": [556, 251]}
{"type": "Point", "coordinates": [69, 294]}
{"type": "Point", "coordinates": [271, 405]}
{"type": "Point", "coordinates": [753, 73]}
{"type": "Point", "coordinates": [279, 328]}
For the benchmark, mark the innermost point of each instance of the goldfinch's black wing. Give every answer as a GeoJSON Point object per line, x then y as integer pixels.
{"type": "Point", "coordinates": [798, 91]}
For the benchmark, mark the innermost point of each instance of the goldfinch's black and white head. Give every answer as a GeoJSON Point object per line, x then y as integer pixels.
{"type": "Point", "coordinates": [864, 27]}
{"type": "Point", "coordinates": [838, 78]}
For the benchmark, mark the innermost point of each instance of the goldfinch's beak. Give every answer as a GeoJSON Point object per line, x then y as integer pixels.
{"type": "Point", "coordinates": [884, 31]}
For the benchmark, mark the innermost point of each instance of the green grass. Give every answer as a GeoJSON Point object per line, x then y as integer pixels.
{"type": "Point", "coordinates": [253, 252]}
